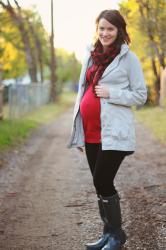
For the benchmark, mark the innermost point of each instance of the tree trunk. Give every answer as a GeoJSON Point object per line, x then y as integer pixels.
{"type": "Point", "coordinates": [156, 82]}
{"type": "Point", "coordinates": [160, 56]}
{"type": "Point", "coordinates": [38, 50]}
{"type": "Point", "coordinates": [30, 55]}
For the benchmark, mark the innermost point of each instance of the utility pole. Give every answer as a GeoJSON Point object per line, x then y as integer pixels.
{"type": "Point", "coordinates": [53, 59]}
{"type": "Point", "coordinates": [1, 94]}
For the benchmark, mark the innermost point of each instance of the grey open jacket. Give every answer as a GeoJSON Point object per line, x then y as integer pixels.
{"type": "Point", "coordinates": [127, 87]}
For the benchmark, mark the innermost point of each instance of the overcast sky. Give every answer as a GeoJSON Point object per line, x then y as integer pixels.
{"type": "Point", "coordinates": [74, 20]}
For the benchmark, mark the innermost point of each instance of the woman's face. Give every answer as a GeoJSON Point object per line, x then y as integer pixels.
{"type": "Point", "coordinates": [107, 33]}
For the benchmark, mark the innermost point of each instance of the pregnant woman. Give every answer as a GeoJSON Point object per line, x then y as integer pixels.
{"type": "Point", "coordinates": [111, 82]}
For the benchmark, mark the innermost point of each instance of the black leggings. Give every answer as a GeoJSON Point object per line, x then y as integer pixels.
{"type": "Point", "coordinates": [104, 165]}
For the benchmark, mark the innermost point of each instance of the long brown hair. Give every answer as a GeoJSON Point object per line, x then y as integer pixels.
{"type": "Point", "coordinates": [114, 17]}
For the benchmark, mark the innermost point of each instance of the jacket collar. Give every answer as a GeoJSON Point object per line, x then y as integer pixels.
{"type": "Point", "coordinates": [124, 49]}
{"type": "Point", "coordinates": [115, 62]}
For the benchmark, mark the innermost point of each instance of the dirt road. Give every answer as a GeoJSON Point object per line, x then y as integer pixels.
{"type": "Point", "coordinates": [47, 200]}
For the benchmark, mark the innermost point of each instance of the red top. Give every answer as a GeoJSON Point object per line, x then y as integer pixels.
{"type": "Point", "coordinates": [90, 112]}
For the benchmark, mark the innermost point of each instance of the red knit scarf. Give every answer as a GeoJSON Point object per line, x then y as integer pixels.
{"type": "Point", "coordinates": [102, 60]}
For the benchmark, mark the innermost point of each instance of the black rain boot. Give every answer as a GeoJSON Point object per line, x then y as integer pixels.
{"type": "Point", "coordinates": [104, 238]}
{"type": "Point", "coordinates": [112, 211]}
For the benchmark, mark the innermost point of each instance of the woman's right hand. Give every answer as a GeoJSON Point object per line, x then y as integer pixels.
{"type": "Point", "coordinates": [80, 149]}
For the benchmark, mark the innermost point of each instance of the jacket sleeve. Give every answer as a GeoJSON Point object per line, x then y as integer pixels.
{"type": "Point", "coordinates": [136, 94]}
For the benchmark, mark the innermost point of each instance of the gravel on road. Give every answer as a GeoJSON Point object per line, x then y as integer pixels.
{"type": "Point", "coordinates": [47, 199]}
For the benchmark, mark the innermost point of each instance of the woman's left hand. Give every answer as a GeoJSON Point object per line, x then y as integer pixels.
{"type": "Point", "coordinates": [102, 90]}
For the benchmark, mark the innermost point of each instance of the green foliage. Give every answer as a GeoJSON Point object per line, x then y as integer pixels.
{"type": "Point", "coordinates": [68, 67]}
{"type": "Point", "coordinates": [12, 51]}
{"type": "Point", "coordinates": [12, 57]}
{"type": "Point", "coordinates": [32, 17]}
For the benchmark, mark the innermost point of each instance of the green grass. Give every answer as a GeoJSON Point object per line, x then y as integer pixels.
{"type": "Point", "coordinates": [13, 132]}
{"type": "Point", "coordinates": [155, 119]}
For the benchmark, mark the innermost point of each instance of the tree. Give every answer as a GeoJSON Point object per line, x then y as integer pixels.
{"type": "Point", "coordinates": [147, 19]}
{"type": "Point", "coordinates": [35, 48]}
{"type": "Point", "coordinates": [19, 21]}
{"type": "Point", "coordinates": [152, 14]}
{"type": "Point", "coordinates": [38, 37]}
{"type": "Point", "coordinates": [68, 67]}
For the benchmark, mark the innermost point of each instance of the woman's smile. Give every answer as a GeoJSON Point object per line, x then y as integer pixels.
{"type": "Point", "coordinates": [107, 33]}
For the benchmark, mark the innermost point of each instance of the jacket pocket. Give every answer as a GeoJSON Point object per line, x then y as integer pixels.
{"type": "Point", "coordinates": [120, 132]}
